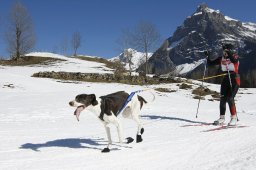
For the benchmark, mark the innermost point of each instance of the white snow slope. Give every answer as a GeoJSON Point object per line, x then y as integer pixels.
{"type": "Point", "coordinates": [39, 131]}
{"type": "Point", "coordinates": [185, 68]}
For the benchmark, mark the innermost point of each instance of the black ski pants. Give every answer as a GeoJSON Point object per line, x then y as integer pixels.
{"type": "Point", "coordinates": [228, 93]}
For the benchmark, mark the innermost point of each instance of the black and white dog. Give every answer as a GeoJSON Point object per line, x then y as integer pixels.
{"type": "Point", "coordinates": [108, 107]}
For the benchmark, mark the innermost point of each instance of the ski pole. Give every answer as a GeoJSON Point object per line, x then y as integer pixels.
{"type": "Point", "coordinates": [201, 86]}
{"type": "Point", "coordinates": [229, 77]}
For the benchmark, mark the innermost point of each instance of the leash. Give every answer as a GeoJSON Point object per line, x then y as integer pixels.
{"type": "Point", "coordinates": [210, 77]}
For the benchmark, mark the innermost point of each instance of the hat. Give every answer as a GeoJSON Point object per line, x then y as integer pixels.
{"type": "Point", "coordinates": [227, 46]}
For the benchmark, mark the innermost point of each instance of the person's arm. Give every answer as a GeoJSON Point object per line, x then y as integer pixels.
{"type": "Point", "coordinates": [215, 61]}
{"type": "Point", "coordinates": [233, 57]}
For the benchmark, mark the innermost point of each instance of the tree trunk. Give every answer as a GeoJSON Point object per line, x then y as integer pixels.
{"type": "Point", "coordinates": [18, 34]}
{"type": "Point", "coordinates": [146, 63]}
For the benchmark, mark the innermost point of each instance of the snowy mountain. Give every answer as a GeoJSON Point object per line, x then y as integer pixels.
{"type": "Point", "coordinates": [186, 68]}
{"type": "Point", "coordinates": [206, 29]}
{"type": "Point", "coordinates": [137, 59]}
{"type": "Point", "coordinates": [38, 129]}
{"type": "Point", "coordinates": [250, 26]}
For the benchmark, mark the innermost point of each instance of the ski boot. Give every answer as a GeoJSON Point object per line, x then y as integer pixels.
{"type": "Point", "coordinates": [233, 121]}
{"type": "Point", "coordinates": [220, 121]}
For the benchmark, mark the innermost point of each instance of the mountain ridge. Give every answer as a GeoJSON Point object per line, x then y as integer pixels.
{"type": "Point", "coordinates": [205, 29]}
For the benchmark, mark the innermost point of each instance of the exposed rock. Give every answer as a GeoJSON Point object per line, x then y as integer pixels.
{"type": "Point", "coordinates": [206, 29]}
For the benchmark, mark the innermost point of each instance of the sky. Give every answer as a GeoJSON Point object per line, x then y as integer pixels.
{"type": "Point", "coordinates": [100, 22]}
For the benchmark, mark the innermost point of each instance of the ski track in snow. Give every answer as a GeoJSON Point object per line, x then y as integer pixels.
{"type": "Point", "coordinates": [39, 131]}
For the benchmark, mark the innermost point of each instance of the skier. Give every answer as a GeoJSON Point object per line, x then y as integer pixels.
{"type": "Point", "coordinates": [230, 84]}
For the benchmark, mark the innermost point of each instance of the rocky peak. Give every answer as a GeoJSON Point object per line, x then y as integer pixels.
{"type": "Point", "coordinates": [202, 7]}
{"type": "Point", "coordinates": [205, 29]}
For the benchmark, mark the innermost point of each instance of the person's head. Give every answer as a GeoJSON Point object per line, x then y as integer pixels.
{"type": "Point", "coordinates": [227, 49]}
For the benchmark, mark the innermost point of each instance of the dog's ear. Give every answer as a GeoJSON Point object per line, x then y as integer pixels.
{"type": "Point", "coordinates": [93, 99]}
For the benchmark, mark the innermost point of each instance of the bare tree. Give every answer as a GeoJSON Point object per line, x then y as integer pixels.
{"type": "Point", "coordinates": [20, 35]}
{"type": "Point", "coordinates": [128, 54]}
{"type": "Point", "coordinates": [119, 70]}
{"type": "Point", "coordinates": [144, 37]}
{"type": "Point", "coordinates": [125, 45]}
{"type": "Point", "coordinates": [76, 41]}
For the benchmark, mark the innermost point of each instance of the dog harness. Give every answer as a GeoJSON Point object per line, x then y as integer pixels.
{"type": "Point", "coordinates": [129, 98]}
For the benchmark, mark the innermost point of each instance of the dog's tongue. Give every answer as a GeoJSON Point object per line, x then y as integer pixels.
{"type": "Point", "coordinates": [79, 109]}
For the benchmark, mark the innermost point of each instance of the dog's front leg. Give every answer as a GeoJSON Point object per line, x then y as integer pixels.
{"type": "Point", "coordinates": [119, 130]}
{"type": "Point", "coordinates": [120, 134]}
{"type": "Point", "coordinates": [109, 138]}
{"type": "Point", "coordinates": [108, 134]}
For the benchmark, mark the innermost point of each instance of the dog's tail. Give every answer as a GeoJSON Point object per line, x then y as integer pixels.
{"type": "Point", "coordinates": [147, 102]}
{"type": "Point", "coordinates": [154, 97]}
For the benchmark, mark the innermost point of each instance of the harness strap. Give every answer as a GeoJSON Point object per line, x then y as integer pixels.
{"type": "Point", "coordinates": [129, 98]}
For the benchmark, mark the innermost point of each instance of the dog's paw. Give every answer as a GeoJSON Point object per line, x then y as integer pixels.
{"type": "Point", "coordinates": [139, 138]}
{"type": "Point", "coordinates": [129, 140]}
{"type": "Point", "coordinates": [105, 150]}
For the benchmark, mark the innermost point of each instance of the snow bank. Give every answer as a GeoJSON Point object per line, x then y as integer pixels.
{"type": "Point", "coordinates": [38, 129]}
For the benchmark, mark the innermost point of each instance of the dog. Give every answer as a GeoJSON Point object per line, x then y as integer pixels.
{"type": "Point", "coordinates": [107, 108]}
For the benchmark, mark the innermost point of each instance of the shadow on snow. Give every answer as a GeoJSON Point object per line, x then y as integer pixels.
{"type": "Point", "coordinates": [67, 143]}
{"type": "Point", "coordinates": [154, 117]}
{"type": "Point", "coordinates": [93, 143]}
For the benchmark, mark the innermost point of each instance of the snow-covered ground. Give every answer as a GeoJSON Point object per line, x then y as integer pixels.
{"type": "Point", "coordinates": [39, 131]}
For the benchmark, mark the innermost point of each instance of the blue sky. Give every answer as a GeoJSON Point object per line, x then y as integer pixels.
{"type": "Point", "coordinates": [100, 21]}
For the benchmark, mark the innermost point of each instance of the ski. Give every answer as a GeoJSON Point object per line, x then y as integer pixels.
{"type": "Point", "coordinates": [217, 127]}
{"type": "Point", "coordinates": [197, 124]}
{"type": "Point", "coordinates": [225, 127]}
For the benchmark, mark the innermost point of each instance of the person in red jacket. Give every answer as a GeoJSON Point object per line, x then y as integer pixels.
{"type": "Point", "coordinates": [230, 84]}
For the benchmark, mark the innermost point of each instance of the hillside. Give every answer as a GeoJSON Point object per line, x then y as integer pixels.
{"type": "Point", "coordinates": [38, 129]}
